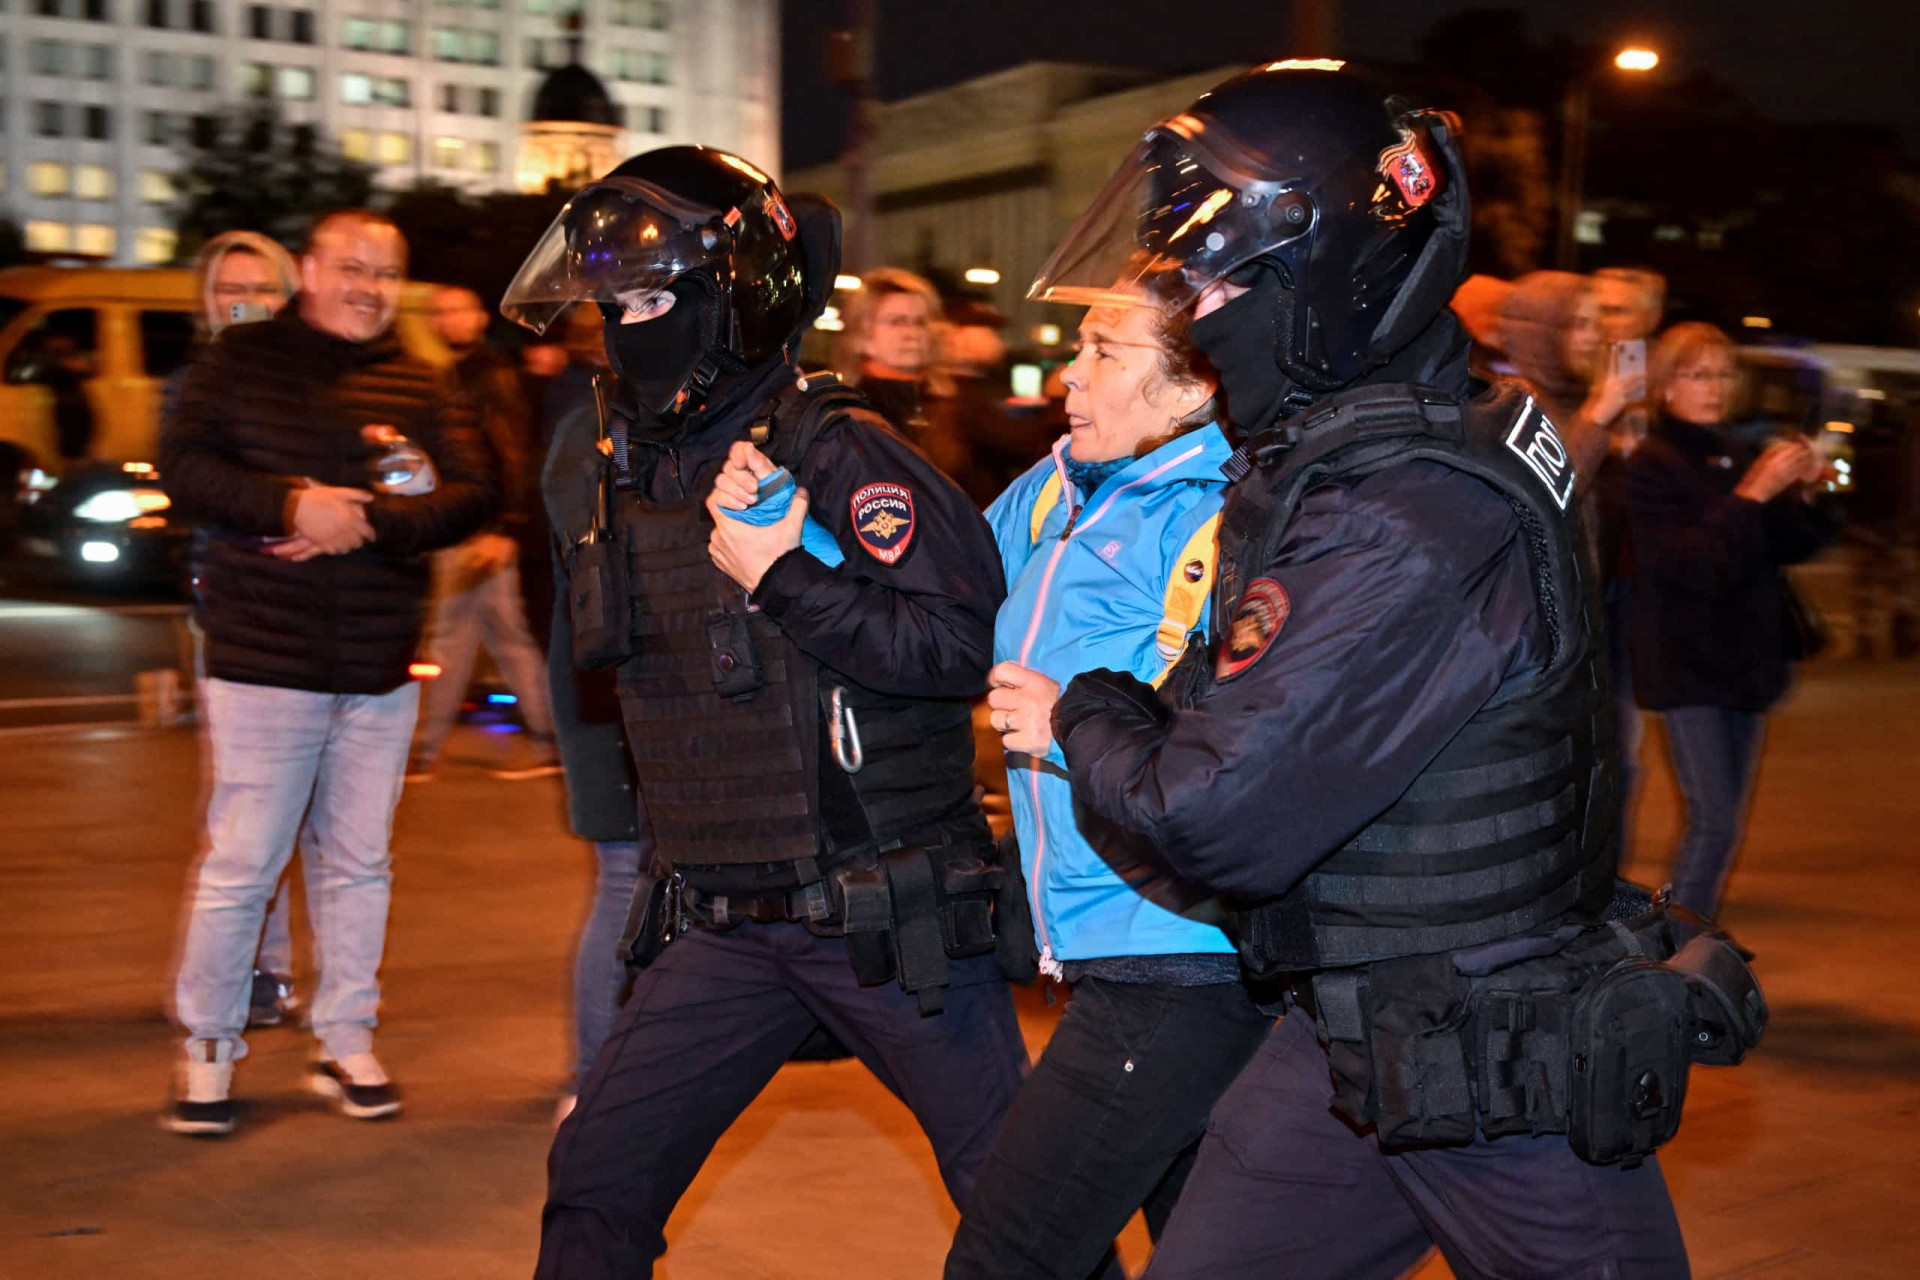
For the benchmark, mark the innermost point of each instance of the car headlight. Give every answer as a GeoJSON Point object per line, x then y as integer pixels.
{"type": "Point", "coordinates": [117, 506]}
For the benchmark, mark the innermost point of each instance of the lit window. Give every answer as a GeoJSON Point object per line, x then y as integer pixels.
{"type": "Point", "coordinates": [1590, 227]}
{"type": "Point", "coordinates": [448, 45]}
{"type": "Point", "coordinates": [294, 83]}
{"type": "Point", "coordinates": [446, 153]}
{"type": "Point", "coordinates": [93, 182]}
{"type": "Point", "coordinates": [94, 238]}
{"type": "Point", "coordinates": [393, 92]}
{"type": "Point", "coordinates": [156, 187]}
{"type": "Point", "coordinates": [356, 144]}
{"type": "Point", "coordinates": [200, 73]}
{"type": "Point", "coordinates": [658, 15]}
{"type": "Point", "coordinates": [48, 237]}
{"type": "Point", "coordinates": [155, 244]}
{"type": "Point", "coordinates": [256, 79]}
{"type": "Point", "coordinates": [96, 61]}
{"type": "Point", "coordinates": [484, 47]}
{"type": "Point", "coordinates": [394, 148]}
{"type": "Point", "coordinates": [45, 178]}
{"type": "Point", "coordinates": [396, 37]}
{"type": "Point", "coordinates": [356, 90]}
{"type": "Point", "coordinates": [484, 156]}
{"type": "Point", "coordinates": [358, 33]}
{"type": "Point", "coordinates": [159, 67]}
{"type": "Point", "coordinates": [539, 6]}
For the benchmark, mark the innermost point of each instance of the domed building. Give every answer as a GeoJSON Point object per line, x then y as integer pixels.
{"type": "Point", "coordinates": [573, 133]}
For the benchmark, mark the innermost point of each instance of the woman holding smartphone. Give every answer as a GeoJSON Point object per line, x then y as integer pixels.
{"type": "Point", "coordinates": [1711, 527]}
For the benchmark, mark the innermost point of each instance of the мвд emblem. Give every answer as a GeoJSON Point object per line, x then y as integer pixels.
{"type": "Point", "coordinates": [883, 520]}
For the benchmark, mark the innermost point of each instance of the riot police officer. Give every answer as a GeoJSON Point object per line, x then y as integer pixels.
{"type": "Point", "coordinates": [798, 719]}
{"type": "Point", "coordinates": [1394, 756]}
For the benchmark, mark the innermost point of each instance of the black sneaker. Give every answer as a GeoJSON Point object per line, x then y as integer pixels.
{"type": "Point", "coordinates": [356, 1084]}
{"type": "Point", "coordinates": [273, 999]}
{"type": "Point", "coordinates": [201, 1106]}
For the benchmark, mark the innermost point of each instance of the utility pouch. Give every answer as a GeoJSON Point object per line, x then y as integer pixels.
{"type": "Point", "coordinates": [656, 915]}
{"type": "Point", "coordinates": [597, 602]}
{"type": "Point", "coordinates": [1729, 1011]}
{"type": "Point", "coordinates": [866, 914]}
{"type": "Point", "coordinates": [1015, 949]}
{"type": "Point", "coordinates": [1628, 1036]}
{"type": "Point", "coordinates": [732, 659]}
{"type": "Point", "coordinates": [1422, 1092]}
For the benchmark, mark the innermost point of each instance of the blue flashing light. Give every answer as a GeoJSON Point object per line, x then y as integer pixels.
{"type": "Point", "coordinates": [506, 698]}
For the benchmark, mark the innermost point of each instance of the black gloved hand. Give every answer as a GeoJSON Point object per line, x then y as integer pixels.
{"type": "Point", "coordinates": [1104, 691]}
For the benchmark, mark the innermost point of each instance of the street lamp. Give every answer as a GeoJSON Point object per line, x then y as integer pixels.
{"type": "Point", "coordinates": [1576, 112]}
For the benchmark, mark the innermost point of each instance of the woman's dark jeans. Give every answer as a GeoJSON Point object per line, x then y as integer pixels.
{"type": "Point", "coordinates": [1716, 753]}
{"type": "Point", "coordinates": [1106, 1124]}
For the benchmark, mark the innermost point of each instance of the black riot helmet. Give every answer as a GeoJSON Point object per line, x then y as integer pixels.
{"type": "Point", "coordinates": [1342, 205]}
{"type": "Point", "coordinates": [700, 243]}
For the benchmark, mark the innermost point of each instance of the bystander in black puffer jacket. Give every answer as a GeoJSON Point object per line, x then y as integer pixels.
{"type": "Point", "coordinates": [267, 406]}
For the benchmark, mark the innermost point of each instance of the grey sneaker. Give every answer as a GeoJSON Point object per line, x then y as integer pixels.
{"type": "Point", "coordinates": [273, 1000]}
{"type": "Point", "coordinates": [201, 1105]}
{"type": "Point", "coordinates": [357, 1084]}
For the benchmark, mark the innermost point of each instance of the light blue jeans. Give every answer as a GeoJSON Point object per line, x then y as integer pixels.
{"type": "Point", "coordinates": [323, 769]}
{"type": "Point", "coordinates": [470, 610]}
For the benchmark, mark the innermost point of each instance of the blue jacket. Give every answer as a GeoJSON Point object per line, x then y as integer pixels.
{"type": "Point", "coordinates": [1116, 578]}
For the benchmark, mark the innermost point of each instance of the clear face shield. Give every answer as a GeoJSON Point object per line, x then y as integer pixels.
{"type": "Point", "coordinates": [618, 243]}
{"type": "Point", "coordinates": [1181, 212]}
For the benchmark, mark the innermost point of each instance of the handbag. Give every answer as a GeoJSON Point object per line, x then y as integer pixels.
{"type": "Point", "coordinates": [1803, 633]}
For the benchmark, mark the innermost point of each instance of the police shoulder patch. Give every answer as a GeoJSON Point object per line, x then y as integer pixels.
{"type": "Point", "coordinates": [1534, 441]}
{"type": "Point", "coordinates": [883, 520]}
{"type": "Point", "coordinates": [1257, 618]}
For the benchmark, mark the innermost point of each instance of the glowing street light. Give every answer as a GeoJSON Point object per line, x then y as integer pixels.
{"type": "Point", "coordinates": [1575, 112]}
{"type": "Point", "coordinates": [982, 275]}
{"type": "Point", "coordinates": [849, 283]}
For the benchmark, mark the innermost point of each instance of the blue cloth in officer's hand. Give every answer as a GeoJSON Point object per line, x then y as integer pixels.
{"type": "Point", "coordinates": [771, 506]}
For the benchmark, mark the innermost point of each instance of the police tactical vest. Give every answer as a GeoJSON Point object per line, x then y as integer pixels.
{"type": "Point", "coordinates": [1510, 828]}
{"type": "Point", "coordinates": [730, 722]}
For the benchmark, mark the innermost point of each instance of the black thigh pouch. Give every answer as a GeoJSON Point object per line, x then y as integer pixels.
{"type": "Point", "coordinates": [908, 911]}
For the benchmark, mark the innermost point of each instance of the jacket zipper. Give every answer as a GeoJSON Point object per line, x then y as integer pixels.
{"type": "Point", "coordinates": [1048, 964]}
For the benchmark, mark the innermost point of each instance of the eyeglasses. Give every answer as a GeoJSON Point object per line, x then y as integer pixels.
{"type": "Point", "coordinates": [1706, 375]}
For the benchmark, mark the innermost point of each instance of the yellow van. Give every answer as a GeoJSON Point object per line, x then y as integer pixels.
{"type": "Point", "coordinates": [122, 330]}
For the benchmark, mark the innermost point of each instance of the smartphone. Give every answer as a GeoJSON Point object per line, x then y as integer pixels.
{"type": "Point", "coordinates": [248, 313]}
{"type": "Point", "coordinates": [1630, 363]}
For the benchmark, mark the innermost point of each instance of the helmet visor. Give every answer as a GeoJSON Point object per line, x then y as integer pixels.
{"type": "Point", "coordinates": [619, 243]}
{"type": "Point", "coordinates": [1176, 216]}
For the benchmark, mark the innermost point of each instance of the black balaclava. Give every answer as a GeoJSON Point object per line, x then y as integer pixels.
{"type": "Point", "coordinates": [656, 358]}
{"type": "Point", "coordinates": [1242, 341]}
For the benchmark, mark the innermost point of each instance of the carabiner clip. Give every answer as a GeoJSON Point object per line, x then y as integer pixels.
{"type": "Point", "coordinates": [845, 732]}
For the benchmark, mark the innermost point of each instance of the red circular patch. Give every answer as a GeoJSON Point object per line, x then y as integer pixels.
{"type": "Point", "coordinates": [1257, 619]}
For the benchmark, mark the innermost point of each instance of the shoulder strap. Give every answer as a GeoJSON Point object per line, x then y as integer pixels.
{"type": "Point", "coordinates": [1188, 586]}
{"type": "Point", "coordinates": [1043, 504]}
{"type": "Point", "coordinates": [795, 417]}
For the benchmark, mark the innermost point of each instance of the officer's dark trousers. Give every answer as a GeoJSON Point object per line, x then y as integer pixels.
{"type": "Point", "coordinates": [1107, 1124]}
{"type": "Point", "coordinates": [707, 1026]}
{"type": "Point", "coordinates": [1283, 1187]}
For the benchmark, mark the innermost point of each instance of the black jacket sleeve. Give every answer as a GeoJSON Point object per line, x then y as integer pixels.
{"type": "Point", "coordinates": [911, 611]}
{"type": "Point", "coordinates": [1686, 533]}
{"type": "Point", "coordinates": [460, 503]}
{"type": "Point", "coordinates": [1410, 604]}
{"type": "Point", "coordinates": [198, 469]}
{"type": "Point", "coordinates": [1796, 529]}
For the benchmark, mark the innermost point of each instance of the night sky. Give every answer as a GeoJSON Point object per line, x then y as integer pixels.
{"type": "Point", "coordinates": [1796, 60]}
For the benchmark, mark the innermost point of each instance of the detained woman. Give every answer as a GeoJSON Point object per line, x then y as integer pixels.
{"type": "Point", "coordinates": [1711, 528]}
{"type": "Point", "coordinates": [1109, 549]}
